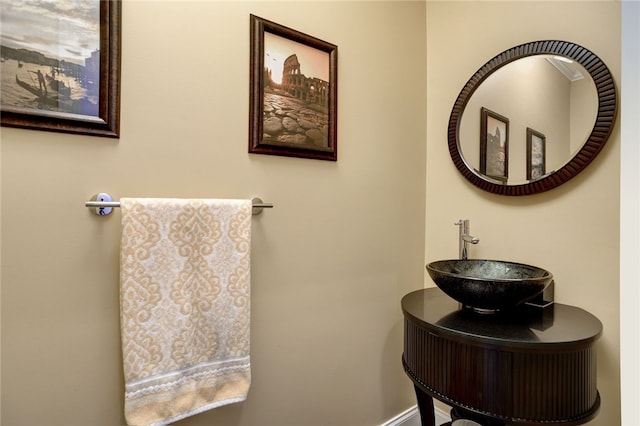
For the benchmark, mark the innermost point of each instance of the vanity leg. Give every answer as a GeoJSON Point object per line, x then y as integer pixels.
{"type": "Point", "coordinates": [425, 405]}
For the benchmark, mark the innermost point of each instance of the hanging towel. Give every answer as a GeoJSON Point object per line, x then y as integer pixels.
{"type": "Point", "coordinates": [184, 306]}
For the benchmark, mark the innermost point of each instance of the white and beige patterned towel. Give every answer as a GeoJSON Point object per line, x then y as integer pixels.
{"type": "Point", "coordinates": [184, 306]}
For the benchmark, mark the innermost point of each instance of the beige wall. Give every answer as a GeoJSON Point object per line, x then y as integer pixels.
{"type": "Point", "coordinates": [331, 261]}
{"type": "Point", "coordinates": [573, 230]}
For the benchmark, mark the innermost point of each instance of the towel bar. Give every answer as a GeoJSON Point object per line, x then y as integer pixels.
{"type": "Point", "coordinates": [104, 204]}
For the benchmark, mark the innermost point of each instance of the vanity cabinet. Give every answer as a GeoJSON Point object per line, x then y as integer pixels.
{"type": "Point", "coordinates": [525, 367]}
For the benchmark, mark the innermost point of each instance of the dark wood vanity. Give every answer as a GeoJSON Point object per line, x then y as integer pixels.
{"type": "Point", "coordinates": [529, 366]}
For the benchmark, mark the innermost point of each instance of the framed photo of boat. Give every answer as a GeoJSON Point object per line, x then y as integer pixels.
{"type": "Point", "coordinates": [61, 66]}
{"type": "Point", "coordinates": [293, 93]}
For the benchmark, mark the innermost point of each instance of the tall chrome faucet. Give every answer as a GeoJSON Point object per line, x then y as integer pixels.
{"type": "Point", "coordinates": [465, 238]}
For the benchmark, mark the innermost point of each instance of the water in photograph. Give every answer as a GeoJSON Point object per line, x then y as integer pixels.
{"type": "Point", "coordinates": [20, 87]}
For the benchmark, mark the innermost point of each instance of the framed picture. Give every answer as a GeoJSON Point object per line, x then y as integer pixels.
{"type": "Point", "coordinates": [293, 93]}
{"type": "Point", "coordinates": [61, 66]}
{"type": "Point", "coordinates": [536, 154]}
{"type": "Point", "coordinates": [494, 145]}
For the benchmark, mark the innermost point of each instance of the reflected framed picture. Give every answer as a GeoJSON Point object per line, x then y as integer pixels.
{"type": "Point", "coordinates": [494, 145]}
{"type": "Point", "coordinates": [536, 154]}
{"type": "Point", "coordinates": [61, 66]}
{"type": "Point", "coordinates": [293, 93]}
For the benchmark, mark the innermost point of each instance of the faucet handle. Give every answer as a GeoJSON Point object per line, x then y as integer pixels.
{"type": "Point", "coordinates": [462, 222]}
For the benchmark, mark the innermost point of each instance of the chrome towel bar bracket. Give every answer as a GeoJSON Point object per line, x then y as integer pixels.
{"type": "Point", "coordinates": [104, 204]}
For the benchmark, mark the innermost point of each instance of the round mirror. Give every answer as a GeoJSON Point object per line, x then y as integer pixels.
{"type": "Point", "coordinates": [532, 118]}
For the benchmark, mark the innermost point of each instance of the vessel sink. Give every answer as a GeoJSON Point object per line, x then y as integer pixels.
{"type": "Point", "coordinates": [488, 285]}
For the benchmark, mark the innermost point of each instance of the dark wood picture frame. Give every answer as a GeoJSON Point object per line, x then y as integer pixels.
{"type": "Point", "coordinates": [536, 154]}
{"type": "Point", "coordinates": [494, 145]}
{"type": "Point", "coordinates": [306, 125]}
{"type": "Point", "coordinates": [107, 121]}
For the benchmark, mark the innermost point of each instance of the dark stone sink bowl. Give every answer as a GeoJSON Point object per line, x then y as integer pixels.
{"type": "Point", "coordinates": [488, 285]}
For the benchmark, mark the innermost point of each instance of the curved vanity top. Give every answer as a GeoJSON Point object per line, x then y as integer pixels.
{"type": "Point", "coordinates": [523, 327]}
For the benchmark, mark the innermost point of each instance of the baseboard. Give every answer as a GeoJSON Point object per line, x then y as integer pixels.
{"type": "Point", "coordinates": [411, 417]}
{"type": "Point", "coordinates": [441, 416]}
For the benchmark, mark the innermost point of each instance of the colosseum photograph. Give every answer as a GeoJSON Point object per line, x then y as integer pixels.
{"type": "Point", "coordinates": [296, 106]}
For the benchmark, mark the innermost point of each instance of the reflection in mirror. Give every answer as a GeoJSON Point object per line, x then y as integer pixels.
{"type": "Point", "coordinates": [532, 118]}
{"type": "Point", "coordinates": [554, 97]}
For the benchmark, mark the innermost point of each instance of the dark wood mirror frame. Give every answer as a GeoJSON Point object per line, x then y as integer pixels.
{"type": "Point", "coordinates": [606, 115]}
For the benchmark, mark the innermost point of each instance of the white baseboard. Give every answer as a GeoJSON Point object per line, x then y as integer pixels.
{"type": "Point", "coordinates": [411, 417]}
{"type": "Point", "coordinates": [441, 416]}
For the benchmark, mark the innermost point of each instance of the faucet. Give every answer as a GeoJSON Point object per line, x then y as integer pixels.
{"type": "Point", "coordinates": [465, 238]}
